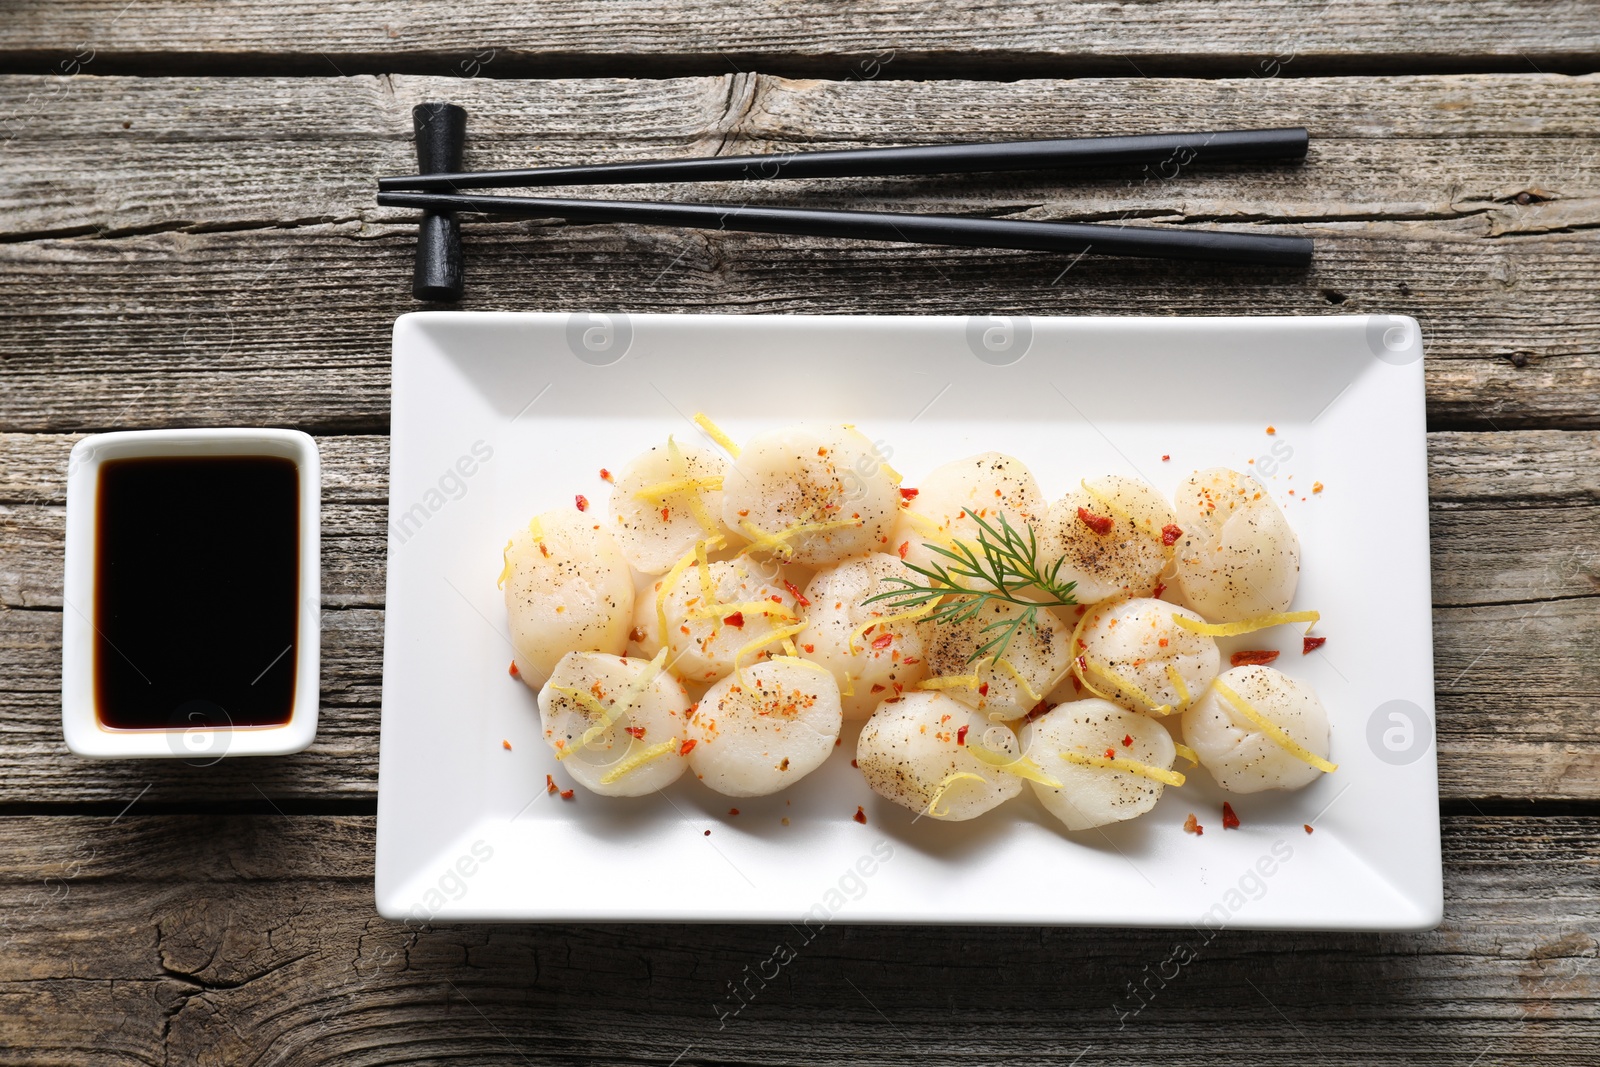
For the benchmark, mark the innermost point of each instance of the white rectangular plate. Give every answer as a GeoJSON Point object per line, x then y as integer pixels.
{"type": "Point", "coordinates": [500, 416]}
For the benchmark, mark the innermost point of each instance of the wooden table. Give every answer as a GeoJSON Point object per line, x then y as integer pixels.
{"type": "Point", "coordinates": [189, 238]}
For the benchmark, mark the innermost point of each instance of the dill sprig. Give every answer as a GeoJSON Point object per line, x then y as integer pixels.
{"type": "Point", "coordinates": [1006, 561]}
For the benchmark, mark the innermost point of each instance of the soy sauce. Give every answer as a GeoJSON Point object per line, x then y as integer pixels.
{"type": "Point", "coordinates": [196, 591]}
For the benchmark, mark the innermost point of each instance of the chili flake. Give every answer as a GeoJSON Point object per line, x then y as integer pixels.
{"type": "Point", "coordinates": [636, 635]}
{"type": "Point", "coordinates": [1254, 657]}
{"type": "Point", "coordinates": [961, 735]}
{"type": "Point", "coordinates": [1311, 644]}
{"type": "Point", "coordinates": [736, 620]}
{"type": "Point", "coordinates": [983, 690]}
{"type": "Point", "coordinates": [1230, 821]}
{"type": "Point", "coordinates": [549, 784]}
{"type": "Point", "coordinates": [1111, 753]}
{"type": "Point", "coordinates": [666, 514]}
{"type": "Point", "coordinates": [635, 732]}
{"type": "Point", "coordinates": [908, 494]}
{"type": "Point", "coordinates": [518, 674]}
{"type": "Point", "coordinates": [809, 648]}
{"type": "Point", "coordinates": [1161, 587]}
{"type": "Point", "coordinates": [860, 816]}
{"type": "Point", "coordinates": [505, 744]}
{"type": "Point", "coordinates": [1316, 487]}
{"type": "Point", "coordinates": [582, 502]}
{"type": "Point", "coordinates": [1271, 430]}
{"type": "Point", "coordinates": [883, 641]}
{"type": "Point", "coordinates": [905, 546]}
{"type": "Point", "coordinates": [708, 833]}
{"type": "Point", "coordinates": [1127, 740]}
{"type": "Point", "coordinates": [1307, 826]}
{"type": "Point", "coordinates": [1100, 524]}
{"type": "Point", "coordinates": [1170, 534]}
{"type": "Point", "coordinates": [794, 591]}
{"type": "Point", "coordinates": [1165, 459]}
{"type": "Point", "coordinates": [733, 811]}
{"type": "Point", "coordinates": [605, 475]}
{"type": "Point", "coordinates": [687, 747]}
{"type": "Point", "coordinates": [1191, 825]}
{"type": "Point", "coordinates": [566, 794]}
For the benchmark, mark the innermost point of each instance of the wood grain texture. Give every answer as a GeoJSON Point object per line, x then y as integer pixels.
{"type": "Point", "coordinates": [180, 251]}
{"type": "Point", "coordinates": [261, 287]}
{"type": "Point", "coordinates": [155, 940]}
{"type": "Point", "coordinates": [910, 38]}
{"type": "Point", "coordinates": [1517, 609]}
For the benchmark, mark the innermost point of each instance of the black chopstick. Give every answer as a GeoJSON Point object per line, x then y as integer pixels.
{"type": "Point", "coordinates": [1174, 150]}
{"type": "Point", "coordinates": [1160, 243]}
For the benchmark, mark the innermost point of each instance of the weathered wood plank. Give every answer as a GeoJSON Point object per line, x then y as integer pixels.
{"type": "Point", "coordinates": [306, 149]}
{"type": "Point", "coordinates": [343, 764]}
{"type": "Point", "coordinates": [252, 940]}
{"type": "Point", "coordinates": [291, 327]}
{"type": "Point", "coordinates": [901, 38]}
{"type": "Point", "coordinates": [1516, 583]}
{"type": "Point", "coordinates": [150, 316]}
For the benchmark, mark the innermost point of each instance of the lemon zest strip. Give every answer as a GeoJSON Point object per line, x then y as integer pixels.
{"type": "Point", "coordinates": [637, 760]}
{"type": "Point", "coordinates": [893, 474]}
{"type": "Point", "coordinates": [1080, 659]}
{"type": "Point", "coordinates": [744, 607]}
{"type": "Point", "coordinates": [1007, 666]}
{"type": "Point", "coordinates": [1273, 731]}
{"type": "Point", "coordinates": [1020, 766]}
{"type": "Point", "coordinates": [1122, 513]}
{"type": "Point", "coordinates": [609, 716]}
{"type": "Point", "coordinates": [1177, 684]}
{"type": "Point", "coordinates": [849, 688]}
{"type": "Point", "coordinates": [1245, 626]}
{"type": "Point", "coordinates": [1105, 671]}
{"type": "Point", "coordinates": [946, 783]}
{"type": "Point", "coordinates": [1187, 753]}
{"type": "Point", "coordinates": [660, 491]}
{"type": "Point", "coordinates": [950, 681]}
{"type": "Point", "coordinates": [886, 620]}
{"type": "Point", "coordinates": [716, 433]}
{"type": "Point", "coordinates": [505, 570]}
{"type": "Point", "coordinates": [1128, 766]}
{"type": "Point", "coordinates": [779, 541]}
{"type": "Point", "coordinates": [926, 527]}
{"type": "Point", "coordinates": [708, 589]}
{"type": "Point", "coordinates": [776, 635]}
{"type": "Point", "coordinates": [697, 507]}
{"type": "Point", "coordinates": [670, 581]}
{"type": "Point", "coordinates": [586, 698]}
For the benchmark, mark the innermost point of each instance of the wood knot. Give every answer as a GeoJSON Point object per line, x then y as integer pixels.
{"type": "Point", "coordinates": [1572, 945]}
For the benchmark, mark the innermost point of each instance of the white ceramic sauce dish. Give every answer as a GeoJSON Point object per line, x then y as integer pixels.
{"type": "Point", "coordinates": [177, 664]}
